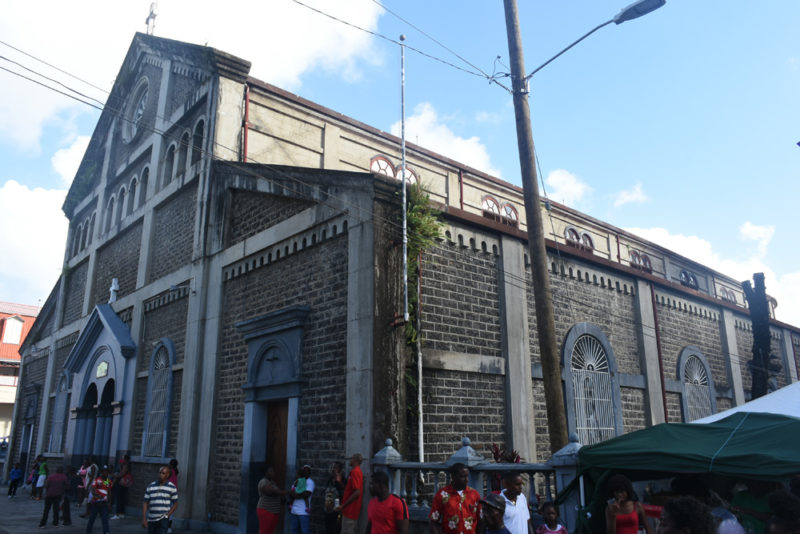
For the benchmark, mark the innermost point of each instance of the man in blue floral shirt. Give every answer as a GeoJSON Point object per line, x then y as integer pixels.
{"type": "Point", "coordinates": [455, 507]}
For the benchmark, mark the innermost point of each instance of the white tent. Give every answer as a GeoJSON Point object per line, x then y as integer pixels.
{"type": "Point", "coordinates": [785, 401]}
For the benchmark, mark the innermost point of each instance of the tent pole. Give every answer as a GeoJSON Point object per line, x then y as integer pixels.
{"type": "Point", "coordinates": [583, 499]}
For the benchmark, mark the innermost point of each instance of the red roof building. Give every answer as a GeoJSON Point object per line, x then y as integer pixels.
{"type": "Point", "coordinates": [16, 321]}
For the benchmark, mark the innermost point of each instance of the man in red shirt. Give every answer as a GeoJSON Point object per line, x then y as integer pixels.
{"type": "Point", "coordinates": [351, 499]}
{"type": "Point", "coordinates": [455, 507]}
{"type": "Point", "coordinates": [386, 513]}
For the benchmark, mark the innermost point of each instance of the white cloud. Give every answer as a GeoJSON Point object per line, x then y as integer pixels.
{"type": "Point", "coordinates": [565, 187]}
{"type": "Point", "coordinates": [630, 196]}
{"type": "Point", "coordinates": [785, 287]}
{"type": "Point", "coordinates": [488, 117]}
{"type": "Point", "coordinates": [67, 160]}
{"type": "Point", "coordinates": [33, 237]}
{"type": "Point", "coordinates": [429, 130]}
{"type": "Point", "coordinates": [290, 40]}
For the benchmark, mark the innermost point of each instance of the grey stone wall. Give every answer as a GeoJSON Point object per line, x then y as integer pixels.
{"type": "Point", "coordinates": [460, 311]}
{"type": "Point", "coordinates": [680, 326]}
{"type": "Point", "coordinates": [633, 403]}
{"type": "Point", "coordinates": [34, 371]}
{"type": "Point", "coordinates": [540, 423]}
{"type": "Point", "coordinates": [119, 258]}
{"type": "Point", "coordinates": [581, 294]}
{"type": "Point", "coordinates": [173, 233]}
{"type": "Point", "coordinates": [316, 277]}
{"type": "Point", "coordinates": [253, 212]}
{"type": "Point", "coordinates": [674, 410]}
{"type": "Point", "coordinates": [460, 404]}
{"type": "Point", "coordinates": [74, 292]}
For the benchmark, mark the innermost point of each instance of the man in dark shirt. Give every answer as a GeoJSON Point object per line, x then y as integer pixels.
{"type": "Point", "coordinates": [54, 487]}
{"type": "Point", "coordinates": [493, 507]}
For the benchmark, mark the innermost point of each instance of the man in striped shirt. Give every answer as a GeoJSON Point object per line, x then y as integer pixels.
{"type": "Point", "coordinates": [159, 502]}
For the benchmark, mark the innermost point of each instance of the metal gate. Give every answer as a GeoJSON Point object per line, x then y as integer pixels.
{"type": "Point", "coordinates": [695, 381]}
{"type": "Point", "coordinates": [592, 387]}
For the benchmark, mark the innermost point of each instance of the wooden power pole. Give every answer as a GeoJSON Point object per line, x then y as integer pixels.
{"type": "Point", "coordinates": [545, 323]}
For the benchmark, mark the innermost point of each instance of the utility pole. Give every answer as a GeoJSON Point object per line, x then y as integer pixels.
{"type": "Point", "coordinates": [761, 366]}
{"type": "Point", "coordinates": [545, 323]}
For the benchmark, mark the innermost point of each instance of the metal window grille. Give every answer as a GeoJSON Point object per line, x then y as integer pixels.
{"type": "Point", "coordinates": [156, 430]}
{"type": "Point", "coordinates": [59, 412]}
{"type": "Point", "coordinates": [696, 388]}
{"type": "Point", "coordinates": [592, 387]}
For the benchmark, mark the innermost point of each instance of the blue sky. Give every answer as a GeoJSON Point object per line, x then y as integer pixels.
{"type": "Point", "coordinates": [681, 126]}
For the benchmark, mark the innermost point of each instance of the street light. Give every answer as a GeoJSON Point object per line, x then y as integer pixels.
{"type": "Point", "coordinates": [633, 11]}
{"type": "Point", "coordinates": [545, 322]}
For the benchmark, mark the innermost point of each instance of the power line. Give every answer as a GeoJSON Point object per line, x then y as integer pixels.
{"type": "Point", "coordinates": [65, 86]}
{"type": "Point", "coordinates": [515, 281]}
{"type": "Point", "coordinates": [479, 74]}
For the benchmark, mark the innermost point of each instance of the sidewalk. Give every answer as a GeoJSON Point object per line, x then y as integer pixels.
{"type": "Point", "coordinates": [21, 515]}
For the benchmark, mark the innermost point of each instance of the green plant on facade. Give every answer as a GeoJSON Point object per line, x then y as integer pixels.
{"type": "Point", "coordinates": [424, 227]}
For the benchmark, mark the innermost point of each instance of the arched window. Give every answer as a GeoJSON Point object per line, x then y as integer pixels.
{"type": "Point", "coordinates": [109, 213]}
{"type": "Point", "coordinates": [169, 167]}
{"type": "Point", "coordinates": [159, 400]}
{"type": "Point", "coordinates": [197, 142]}
{"type": "Point", "coordinates": [490, 207]}
{"type": "Point", "coordinates": [382, 165]}
{"type": "Point", "coordinates": [593, 400]}
{"type": "Point", "coordinates": [640, 260]}
{"type": "Point", "coordinates": [120, 203]}
{"type": "Point", "coordinates": [85, 235]}
{"type": "Point", "coordinates": [131, 196]}
{"type": "Point", "coordinates": [510, 215]}
{"type": "Point", "coordinates": [688, 279]}
{"type": "Point", "coordinates": [572, 235]}
{"type": "Point", "coordinates": [91, 227]}
{"type": "Point", "coordinates": [183, 151]}
{"type": "Point", "coordinates": [76, 240]}
{"type": "Point", "coordinates": [409, 174]}
{"type": "Point", "coordinates": [60, 407]}
{"type": "Point", "coordinates": [698, 398]}
{"type": "Point", "coordinates": [143, 186]}
{"type": "Point", "coordinates": [586, 241]}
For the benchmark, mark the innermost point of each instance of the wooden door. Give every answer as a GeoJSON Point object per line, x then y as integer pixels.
{"type": "Point", "coordinates": [277, 418]}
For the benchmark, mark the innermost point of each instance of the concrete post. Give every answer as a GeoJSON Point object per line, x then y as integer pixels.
{"type": "Point", "coordinates": [731, 353]}
{"type": "Point", "coordinates": [649, 353]}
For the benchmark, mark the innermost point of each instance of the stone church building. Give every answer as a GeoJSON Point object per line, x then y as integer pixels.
{"type": "Point", "coordinates": [231, 290]}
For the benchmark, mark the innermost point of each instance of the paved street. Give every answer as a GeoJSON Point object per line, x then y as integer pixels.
{"type": "Point", "coordinates": [21, 515]}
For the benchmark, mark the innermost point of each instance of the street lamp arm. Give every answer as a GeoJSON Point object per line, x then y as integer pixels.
{"type": "Point", "coordinates": [584, 36]}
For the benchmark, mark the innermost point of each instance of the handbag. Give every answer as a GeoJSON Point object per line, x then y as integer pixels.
{"type": "Point", "coordinates": [126, 481]}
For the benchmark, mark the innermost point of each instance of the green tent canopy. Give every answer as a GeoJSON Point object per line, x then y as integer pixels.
{"type": "Point", "coordinates": [744, 445]}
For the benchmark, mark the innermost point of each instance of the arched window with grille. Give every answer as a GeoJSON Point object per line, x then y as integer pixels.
{"type": "Point", "coordinates": [382, 165]}
{"type": "Point", "coordinates": [593, 400]}
{"type": "Point", "coordinates": [59, 419]}
{"type": "Point", "coordinates": [159, 400]}
{"type": "Point", "coordinates": [698, 398]}
{"type": "Point", "coordinates": [490, 207]}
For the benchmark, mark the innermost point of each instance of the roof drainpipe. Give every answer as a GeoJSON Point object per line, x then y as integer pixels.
{"type": "Point", "coordinates": [246, 122]}
{"type": "Point", "coordinates": [660, 356]}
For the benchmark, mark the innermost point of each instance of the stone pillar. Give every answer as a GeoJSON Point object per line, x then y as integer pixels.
{"type": "Point", "coordinates": [789, 362]}
{"type": "Point", "coordinates": [731, 353]}
{"type": "Point", "coordinates": [516, 343]}
{"type": "Point", "coordinates": [648, 348]}
{"type": "Point", "coordinates": [565, 463]}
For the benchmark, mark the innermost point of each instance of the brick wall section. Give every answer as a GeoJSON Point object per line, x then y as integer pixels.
{"type": "Point", "coordinates": [591, 298]}
{"type": "Point", "coordinates": [458, 404]}
{"type": "Point", "coordinates": [62, 352]}
{"type": "Point", "coordinates": [460, 310]}
{"type": "Point", "coordinates": [173, 233]}
{"type": "Point", "coordinates": [34, 371]}
{"type": "Point", "coordinates": [74, 293]}
{"type": "Point", "coordinates": [674, 410]}
{"type": "Point", "coordinates": [723, 404]}
{"type": "Point", "coordinates": [167, 321]}
{"type": "Point", "coordinates": [316, 277]}
{"type": "Point", "coordinates": [679, 328]}
{"type": "Point", "coordinates": [744, 343]}
{"type": "Point", "coordinates": [633, 403]}
{"type": "Point", "coordinates": [540, 423]}
{"type": "Point", "coordinates": [253, 212]}
{"type": "Point", "coordinates": [117, 259]}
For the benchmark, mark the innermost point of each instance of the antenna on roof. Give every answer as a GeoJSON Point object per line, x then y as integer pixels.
{"type": "Point", "coordinates": [151, 18]}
